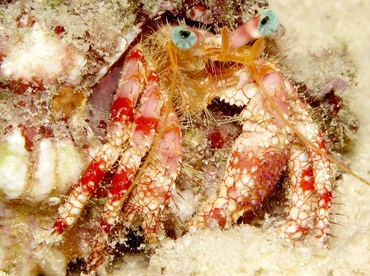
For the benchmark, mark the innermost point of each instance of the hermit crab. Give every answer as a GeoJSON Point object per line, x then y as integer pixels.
{"type": "Point", "coordinates": [173, 72]}
{"type": "Point", "coordinates": [179, 69]}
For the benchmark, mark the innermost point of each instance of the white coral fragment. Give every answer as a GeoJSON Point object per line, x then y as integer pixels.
{"type": "Point", "coordinates": [69, 164]}
{"type": "Point", "coordinates": [57, 168]}
{"type": "Point", "coordinates": [42, 55]}
{"type": "Point", "coordinates": [13, 164]}
{"type": "Point", "coordinates": [45, 172]}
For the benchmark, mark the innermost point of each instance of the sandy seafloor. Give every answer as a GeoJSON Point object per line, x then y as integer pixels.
{"type": "Point", "coordinates": [245, 250]}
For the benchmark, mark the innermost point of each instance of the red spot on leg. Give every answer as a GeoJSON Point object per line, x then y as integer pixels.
{"type": "Point", "coordinates": [92, 175]}
{"type": "Point", "coordinates": [122, 110]}
{"type": "Point", "coordinates": [120, 183]}
{"type": "Point", "coordinates": [327, 199]}
{"type": "Point", "coordinates": [59, 227]}
{"type": "Point", "coordinates": [307, 183]}
{"type": "Point", "coordinates": [146, 124]}
{"type": "Point", "coordinates": [105, 226]}
{"type": "Point", "coordinates": [136, 54]}
{"type": "Point", "coordinates": [321, 142]}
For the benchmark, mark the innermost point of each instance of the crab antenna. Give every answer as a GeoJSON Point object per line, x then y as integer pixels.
{"type": "Point", "coordinates": [225, 41]}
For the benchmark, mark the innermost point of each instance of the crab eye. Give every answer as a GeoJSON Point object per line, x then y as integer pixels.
{"type": "Point", "coordinates": [268, 22]}
{"type": "Point", "coordinates": [183, 38]}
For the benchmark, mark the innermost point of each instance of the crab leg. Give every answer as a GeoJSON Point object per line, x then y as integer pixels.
{"type": "Point", "coordinates": [312, 175]}
{"type": "Point", "coordinates": [322, 171]}
{"type": "Point", "coordinates": [151, 193]}
{"type": "Point", "coordinates": [154, 189]}
{"type": "Point", "coordinates": [142, 136]}
{"type": "Point", "coordinates": [311, 191]}
{"type": "Point", "coordinates": [252, 171]}
{"type": "Point", "coordinates": [302, 194]}
{"type": "Point", "coordinates": [144, 127]}
{"type": "Point", "coordinates": [121, 119]}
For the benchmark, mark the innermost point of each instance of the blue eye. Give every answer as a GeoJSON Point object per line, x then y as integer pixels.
{"type": "Point", "coordinates": [183, 38]}
{"type": "Point", "coordinates": [268, 23]}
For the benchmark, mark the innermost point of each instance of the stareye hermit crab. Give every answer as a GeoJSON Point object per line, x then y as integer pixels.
{"type": "Point", "coordinates": [180, 69]}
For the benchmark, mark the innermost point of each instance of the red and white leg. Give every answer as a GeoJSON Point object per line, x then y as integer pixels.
{"type": "Point", "coordinates": [311, 178]}
{"type": "Point", "coordinates": [121, 120]}
{"type": "Point", "coordinates": [151, 192]}
{"type": "Point", "coordinates": [154, 189]}
{"type": "Point", "coordinates": [140, 142]}
{"type": "Point", "coordinates": [143, 133]}
{"type": "Point", "coordinates": [324, 178]}
{"type": "Point", "coordinates": [302, 194]}
{"type": "Point", "coordinates": [252, 171]}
